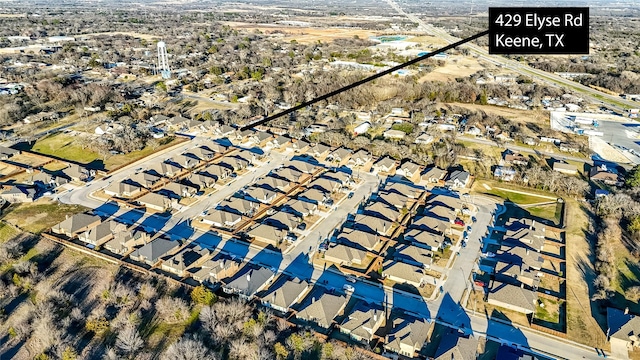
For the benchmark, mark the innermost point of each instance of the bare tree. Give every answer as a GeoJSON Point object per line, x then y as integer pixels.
{"type": "Point", "coordinates": [129, 341]}
{"type": "Point", "coordinates": [187, 349]}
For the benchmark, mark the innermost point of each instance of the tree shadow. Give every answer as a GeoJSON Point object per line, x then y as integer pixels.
{"type": "Point", "coordinates": [12, 351]}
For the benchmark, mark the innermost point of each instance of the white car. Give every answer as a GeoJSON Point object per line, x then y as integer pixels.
{"type": "Point", "coordinates": [348, 288]}
{"type": "Point", "coordinates": [351, 279]}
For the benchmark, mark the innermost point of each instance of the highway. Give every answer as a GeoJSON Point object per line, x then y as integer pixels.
{"type": "Point", "coordinates": [598, 97]}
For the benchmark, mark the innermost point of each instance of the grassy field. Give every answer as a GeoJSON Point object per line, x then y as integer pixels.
{"type": "Point", "coordinates": [7, 232]}
{"type": "Point", "coordinates": [550, 212]}
{"type": "Point", "coordinates": [64, 146]}
{"type": "Point", "coordinates": [39, 216]}
{"type": "Point", "coordinates": [502, 190]}
{"type": "Point", "coordinates": [583, 322]}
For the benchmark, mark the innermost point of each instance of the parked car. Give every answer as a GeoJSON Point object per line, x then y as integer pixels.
{"type": "Point", "coordinates": [473, 219]}
{"type": "Point", "coordinates": [350, 195]}
{"type": "Point", "coordinates": [459, 222]}
{"type": "Point", "coordinates": [291, 237]}
{"type": "Point", "coordinates": [351, 279]}
{"type": "Point", "coordinates": [302, 226]}
{"type": "Point", "coordinates": [348, 288]}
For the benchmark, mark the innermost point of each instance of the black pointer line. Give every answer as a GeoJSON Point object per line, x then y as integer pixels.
{"type": "Point", "coordinates": [363, 81]}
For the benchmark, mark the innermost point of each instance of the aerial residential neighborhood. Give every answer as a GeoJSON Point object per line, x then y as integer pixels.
{"type": "Point", "coordinates": [315, 180]}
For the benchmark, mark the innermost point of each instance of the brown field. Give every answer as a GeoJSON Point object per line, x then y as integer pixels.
{"type": "Point", "coordinates": [304, 34]}
{"type": "Point", "coordinates": [456, 66]}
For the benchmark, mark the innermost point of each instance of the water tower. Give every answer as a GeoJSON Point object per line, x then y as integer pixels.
{"type": "Point", "coordinates": [163, 61]}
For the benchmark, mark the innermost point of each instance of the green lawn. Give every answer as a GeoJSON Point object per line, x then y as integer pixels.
{"type": "Point", "coordinates": [64, 146]}
{"type": "Point", "coordinates": [550, 212]}
{"type": "Point", "coordinates": [38, 217]}
{"type": "Point", "coordinates": [7, 232]}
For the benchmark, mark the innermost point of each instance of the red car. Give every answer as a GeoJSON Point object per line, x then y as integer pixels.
{"type": "Point", "coordinates": [459, 222]}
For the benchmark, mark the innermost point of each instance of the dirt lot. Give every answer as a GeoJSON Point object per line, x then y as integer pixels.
{"type": "Point", "coordinates": [455, 67]}
{"type": "Point", "coordinates": [304, 34]}
{"type": "Point", "coordinates": [525, 116]}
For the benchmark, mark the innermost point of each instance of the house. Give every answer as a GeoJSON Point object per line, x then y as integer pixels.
{"type": "Point", "coordinates": [191, 255]}
{"type": "Point", "coordinates": [145, 179]}
{"type": "Point", "coordinates": [344, 255]}
{"type": "Point", "coordinates": [385, 165]}
{"type": "Point", "coordinates": [303, 166]}
{"type": "Point", "coordinates": [407, 336]}
{"type": "Point", "coordinates": [151, 252]}
{"type": "Point", "coordinates": [284, 293]}
{"type": "Point", "coordinates": [454, 345]}
{"type": "Point", "coordinates": [217, 147]}
{"type": "Point", "coordinates": [431, 239]}
{"type": "Point", "coordinates": [77, 173]}
{"type": "Point", "coordinates": [177, 190]}
{"type": "Point", "coordinates": [166, 169]}
{"type": "Point", "coordinates": [215, 269]}
{"type": "Point", "coordinates": [314, 196]}
{"type": "Point", "coordinates": [410, 191]}
{"type": "Point", "coordinates": [516, 264]}
{"type": "Point", "coordinates": [202, 180]}
{"type": "Point", "coordinates": [185, 161]}
{"type": "Point", "coordinates": [234, 163]}
{"type": "Point", "coordinates": [623, 330]}
{"type": "Point", "coordinates": [358, 239]}
{"type": "Point", "coordinates": [413, 255]}
{"type": "Point", "coordinates": [248, 281]}
{"type": "Point", "coordinates": [458, 179]}
{"type": "Point", "coordinates": [153, 201]}
{"type": "Point", "coordinates": [258, 194]}
{"type": "Point", "coordinates": [394, 199]}
{"type": "Point", "coordinates": [403, 273]}
{"type": "Point", "coordinates": [339, 156]}
{"type": "Point", "coordinates": [319, 151]}
{"type": "Point", "coordinates": [363, 322]}
{"type": "Point", "coordinates": [504, 173]}
{"type": "Point", "coordinates": [75, 224]}
{"type": "Point", "coordinates": [247, 156]}
{"type": "Point", "coordinates": [282, 220]}
{"type": "Point", "coordinates": [382, 211]}
{"type": "Point", "coordinates": [217, 171]}
{"type": "Point", "coordinates": [274, 184]}
{"type": "Point", "coordinates": [301, 146]}
{"type": "Point", "coordinates": [323, 310]}
{"type": "Point", "coordinates": [18, 194]}
{"type": "Point", "coordinates": [280, 141]}
{"type": "Point", "coordinates": [202, 152]}
{"type": "Point", "coordinates": [300, 208]}
{"type": "Point", "coordinates": [511, 158]}
{"type": "Point", "coordinates": [373, 225]}
{"type": "Point", "coordinates": [450, 202]}
{"type": "Point", "coordinates": [394, 134]}
{"type": "Point", "coordinates": [268, 234]}
{"type": "Point", "coordinates": [410, 170]}
{"type": "Point", "coordinates": [340, 177]}
{"type": "Point", "coordinates": [434, 175]}
{"type": "Point", "coordinates": [225, 131]}
{"type": "Point", "coordinates": [512, 297]}
{"type": "Point", "coordinates": [124, 188]}
{"type": "Point", "coordinates": [125, 240]}
{"type": "Point", "coordinates": [525, 231]}
{"type": "Point", "coordinates": [565, 168]}
{"type": "Point", "coordinates": [605, 175]}
{"type": "Point", "coordinates": [101, 233]}
{"type": "Point", "coordinates": [360, 158]}
{"type": "Point", "coordinates": [325, 185]}
{"type": "Point", "coordinates": [43, 180]}
{"type": "Point", "coordinates": [289, 174]}
{"type": "Point", "coordinates": [7, 152]}
{"type": "Point", "coordinates": [220, 219]}
{"type": "Point", "coordinates": [239, 206]}
{"type": "Point", "coordinates": [423, 139]}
